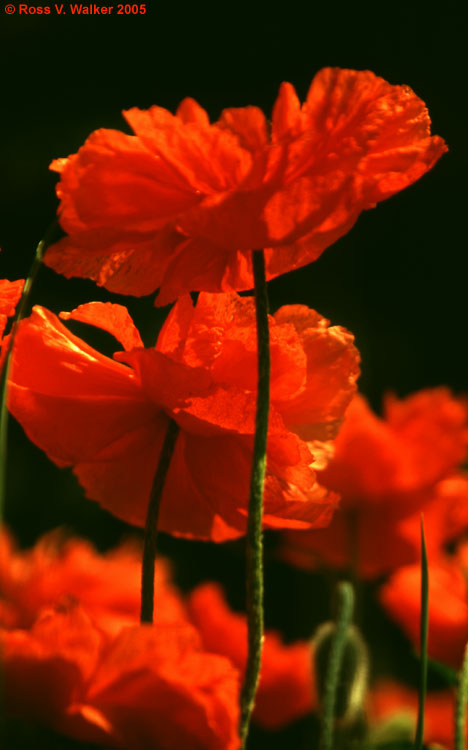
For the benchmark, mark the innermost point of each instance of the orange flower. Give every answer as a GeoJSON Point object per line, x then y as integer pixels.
{"type": "Point", "coordinates": [108, 419]}
{"type": "Point", "coordinates": [107, 585]}
{"type": "Point", "coordinates": [386, 472]}
{"type": "Point", "coordinates": [145, 687]}
{"type": "Point", "coordinates": [10, 292]}
{"type": "Point", "coordinates": [448, 604]}
{"type": "Point", "coordinates": [180, 204]}
{"type": "Point", "coordinates": [68, 617]}
{"type": "Point", "coordinates": [286, 690]}
{"type": "Point", "coordinates": [76, 660]}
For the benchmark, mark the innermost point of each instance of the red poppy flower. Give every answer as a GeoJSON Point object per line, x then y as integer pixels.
{"type": "Point", "coordinates": [145, 687]}
{"type": "Point", "coordinates": [10, 292]}
{"type": "Point", "coordinates": [58, 571]}
{"type": "Point", "coordinates": [180, 204]}
{"type": "Point", "coordinates": [448, 605]}
{"type": "Point", "coordinates": [78, 662]}
{"type": "Point", "coordinates": [389, 701]}
{"type": "Point", "coordinates": [107, 585]}
{"type": "Point", "coordinates": [286, 690]}
{"type": "Point", "coordinates": [108, 419]}
{"type": "Point", "coordinates": [386, 472]}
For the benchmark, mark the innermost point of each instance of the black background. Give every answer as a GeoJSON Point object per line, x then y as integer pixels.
{"type": "Point", "coordinates": [397, 281]}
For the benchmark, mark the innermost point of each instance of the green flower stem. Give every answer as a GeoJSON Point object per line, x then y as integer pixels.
{"type": "Point", "coordinates": [254, 541]}
{"type": "Point", "coordinates": [423, 629]}
{"type": "Point", "coordinates": [460, 709]}
{"type": "Point", "coordinates": [151, 527]}
{"type": "Point", "coordinates": [343, 621]}
{"type": "Point", "coordinates": [20, 313]}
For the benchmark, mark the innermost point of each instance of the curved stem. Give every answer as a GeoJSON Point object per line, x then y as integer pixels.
{"type": "Point", "coordinates": [20, 313]}
{"type": "Point", "coordinates": [343, 621]}
{"type": "Point", "coordinates": [254, 541]}
{"type": "Point", "coordinates": [151, 526]}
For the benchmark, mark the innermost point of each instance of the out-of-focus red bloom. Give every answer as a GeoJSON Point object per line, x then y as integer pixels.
{"type": "Point", "coordinates": [68, 619]}
{"type": "Point", "coordinates": [448, 605]}
{"type": "Point", "coordinates": [10, 292]}
{"type": "Point", "coordinates": [387, 471]}
{"type": "Point", "coordinates": [81, 664]}
{"type": "Point", "coordinates": [107, 585]}
{"type": "Point", "coordinates": [108, 418]}
{"type": "Point", "coordinates": [391, 699]}
{"type": "Point", "coordinates": [180, 204]}
{"type": "Point", "coordinates": [146, 687]}
{"type": "Point", "coordinates": [286, 690]}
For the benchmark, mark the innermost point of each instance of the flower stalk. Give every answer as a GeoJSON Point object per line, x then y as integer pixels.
{"type": "Point", "coordinates": [151, 526]}
{"type": "Point", "coordinates": [337, 649]}
{"type": "Point", "coordinates": [423, 635]}
{"type": "Point", "coordinates": [460, 708]}
{"type": "Point", "coordinates": [20, 313]}
{"type": "Point", "coordinates": [254, 582]}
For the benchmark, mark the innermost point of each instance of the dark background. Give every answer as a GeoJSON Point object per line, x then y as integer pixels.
{"type": "Point", "coordinates": [398, 280]}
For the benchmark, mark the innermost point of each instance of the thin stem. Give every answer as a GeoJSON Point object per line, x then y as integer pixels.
{"type": "Point", "coordinates": [338, 644]}
{"type": "Point", "coordinates": [151, 527]}
{"type": "Point", "coordinates": [359, 681]}
{"type": "Point", "coordinates": [20, 313]}
{"type": "Point", "coordinates": [460, 709]}
{"type": "Point", "coordinates": [423, 627]}
{"type": "Point", "coordinates": [254, 540]}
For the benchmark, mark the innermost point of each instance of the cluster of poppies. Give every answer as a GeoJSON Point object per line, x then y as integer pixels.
{"type": "Point", "coordinates": [180, 206]}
